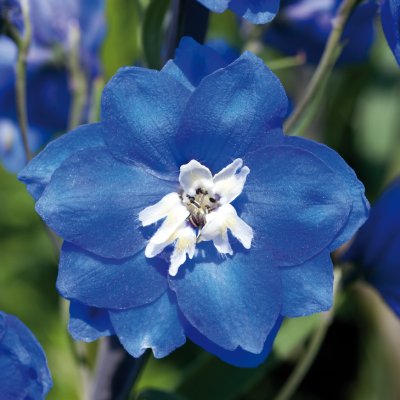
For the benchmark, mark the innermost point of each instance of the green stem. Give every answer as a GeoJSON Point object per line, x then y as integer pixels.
{"type": "Point", "coordinates": [20, 85]}
{"type": "Point", "coordinates": [305, 362]}
{"type": "Point", "coordinates": [287, 62]}
{"type": "Point", "coordinates": [78, 82]}
{"type": "Point", "coordinates": [325, 65]}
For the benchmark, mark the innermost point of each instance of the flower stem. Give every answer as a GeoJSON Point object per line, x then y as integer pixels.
{"type": "Point", "coordinates": [287, 62]}
{"type": "Point", "coordinates": [325, 66]}
{"type": "Point", "coordinates": [23, 43]}
{"type": "Point", "coordinates": [305, 362]}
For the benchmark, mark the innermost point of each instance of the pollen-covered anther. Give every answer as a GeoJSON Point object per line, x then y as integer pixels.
{"type": "Point", "coordinates": [200, 211]}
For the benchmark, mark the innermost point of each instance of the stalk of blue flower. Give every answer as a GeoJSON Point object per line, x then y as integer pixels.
{"type": "Point", "coordinates": [325, 66]}
{"type": "Point", "coordinates": [199, 144]}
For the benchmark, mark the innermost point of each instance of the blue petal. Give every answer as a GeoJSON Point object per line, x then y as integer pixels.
{"type": "Point", "coordinates": [308, 288]}
{"type": "Point", "coordinates": [360, 210]}
{"type": "Point", "coordinates": [234, 301]}
{"type": "Point", "coordinates": [228, 53]}
{"type": "Point", "coordinates": [23, 366]}
{"type": "Point", "coordinates": [192, 63]}
{"type": "Point", "coordinates": [217, 6]}
{"type": "Point", "coordinates": [255, 11]}
{"type": "Point", "coordinates": [36, 175]}
{"type": "Point", "coordinates": [390, 14]}
{"type": "Point", "coordinates": [295, 203]}
{"type": "Point", "coordinates": [109, 282]}
{"type": "Point", "coordinates": [238, 357]}
{"type": "Point", "coordinates": [374, 239]}
{"type": "Point", "coordinates": [93, 201]}
{"type": "Point", "coordinates": [88, 323]}
{"type": "Point", "coordinates": [141, 109]}
{"type": "Point", "coordinates": [234, 111]}
{"type": "Point", "coordinates": [155, 326]}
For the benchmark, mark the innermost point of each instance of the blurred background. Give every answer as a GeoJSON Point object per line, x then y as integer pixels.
{"type": "Point", "coordinates": [358, 116]}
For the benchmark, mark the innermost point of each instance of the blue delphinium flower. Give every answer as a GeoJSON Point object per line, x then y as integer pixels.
{"type": "Point", "coordinates": [376, 248]}
{"type": "Point", "coordinates": [390, 14]}
{"type": "Point", "coordinates": [187, 212]}
{"type": "Point", "coordinates": [255, 11]}
{"type": "Point", "coordinates": [304, 25]}
{"type": "Point", "coordinates": [24, 373]}
{"type": "Point", "coordinates": [48, 95]}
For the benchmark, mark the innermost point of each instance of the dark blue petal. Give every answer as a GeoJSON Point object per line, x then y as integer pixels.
{"type": "Point", "coordinates": [390, 15]}
{"type": "Point", "coordinates": [255, 11]}
{"type": "Point", "coordinates": [192, 63]}
{"type": "Point", "coordinates": [377, 235]}
{"type": "Point", "coordinates": [308, 288]}
{"type": "Point", "coordinates": [36, 175]}
{"type": "Point", "coordinates": [228, 53]}
{"type": "Point", "coordinates": [155, 326]}
{"type": "Point", "coordinates": [238, 357]}
{"type": "Point", "coordinates": [295, 203]}
{"type": "Point", "coordinates": [217, 6]}
{"type": "Point", "coordinates": [141, 109]}
{"type": "Point", "coordinates": [24, 372]}
{"type": "Point", "coordinates": [88, 323]}
{"type": "Point", "coordinates": [233, 301]}
{"type": "Point", "coordinates": [108, 282]}
{"type": "Point", "coordinates": [93, 201]}
{"type": "Point", "coordinates": [360, 210]}
{"type": "Point", "coordinates": [233, 111]}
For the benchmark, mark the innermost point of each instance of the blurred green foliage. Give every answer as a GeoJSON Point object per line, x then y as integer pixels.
{"type": "Point", "coordinates": [358, 118]}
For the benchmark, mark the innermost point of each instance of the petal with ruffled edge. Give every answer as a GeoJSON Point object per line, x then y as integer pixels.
{"type": "Point", "coordinates": [88, 323]}
{"type": "Point", "coordinates": [234, 301]}
{"type": "Point", "coordinates": [36, 175]}
{"type": "Point", "coordinates": [227, 184]}
{"type": "Point", "coordinates": [233, 111]}
{"type": "Point", "coordinates": [155, 326]}
{"type": "Point", "coordinates": [308, 288]}
{"type": "Point", "coordinates": [108, 282]}
{"type": "Point", "coordinates": [255, 11]}
{"type": "Point", "coordinates": [223, 219]}
{"type": "Point", "coordinates": [238, 357]}
{"type": "Point", "coordinates": [93, 201]}
{"type": "Point", "coordinates": [141, 109]}
{"type": "Point", "coordinates": [360, 209]}
{"type": "Point", "coordinates": [192, 63]}
{"type": "Point", "coordinates": [293, 202]}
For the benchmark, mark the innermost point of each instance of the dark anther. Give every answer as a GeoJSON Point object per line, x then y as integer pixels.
{"type": "Point", "coordinates": [212, 200]}
{"type": "Point", "coordinates": [190, 197]}
{"type": "Point", "coordinates": [198, 191]}
{"type": "Point", "coordinates": [194, 203]}
{"type": "Point", "coordinates": [194, 220]}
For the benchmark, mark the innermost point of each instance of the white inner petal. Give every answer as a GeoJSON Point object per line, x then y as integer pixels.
{"type": "Point", "coordinates": [227, 184]}
{"type": "Point", "coordinates": [193, 176]}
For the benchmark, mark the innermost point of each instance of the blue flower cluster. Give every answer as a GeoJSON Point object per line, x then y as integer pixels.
{"type": "Point", "coordinates": [377, 247]}
{"type": "Point", "coordinates": [304, 25]}
{"type": "Point", "coordinates": [249, 215]}
{"type": "Point", "coordinates": [255, 11]}
{"type": "Point", "coordinates": [24, 373]}
{"type": "Point", "coordinates": [48, 93]}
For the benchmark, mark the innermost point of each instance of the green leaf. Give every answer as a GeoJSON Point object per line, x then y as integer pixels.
{"type": "Point", "coordinates": [121, 46]}
{"type": "Point", "coordinates": [152, 34]}
{"type": "Point", "coordinates": [158, 395]}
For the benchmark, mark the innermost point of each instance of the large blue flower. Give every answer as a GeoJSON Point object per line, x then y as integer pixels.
{"type": "Point", "coordinates": [377, 246]}
{"type": "Point", "coordinates": [304, 25]}
{"type": "Point", "coordinates": [48, 95]}
{"type": "Point", "coordinates": [24, 373]}
{"type": "Point", "coordinates": [255, 11]}
{"type": "Point", "coordinates": [250, 215]}
{"type": "Point", "coordinates": [390, 15]}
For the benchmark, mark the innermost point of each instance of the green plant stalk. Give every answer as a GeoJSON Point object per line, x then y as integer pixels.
{"type": "Point", "coordinates": [325, 65]}
{"type": "Point", "coordinates": [287, 62]}
{"type": "Point", "coordinates": [23, 43]}
{"type": "Point", "coordinates": [305, 362]}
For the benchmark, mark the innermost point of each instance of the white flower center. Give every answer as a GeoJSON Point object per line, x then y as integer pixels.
{"type": "Point", "coordinates": [201, 210]}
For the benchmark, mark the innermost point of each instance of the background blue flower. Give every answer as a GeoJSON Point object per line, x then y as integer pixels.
{"type": "Point", "coordinates": [301, 200]}
{"type": "Point", "coordinates": [306, 24]}
{"type": "Point", "coordinates": [48, 94]}
{"type": "Point", "coordinates": [390, 14]}
{"type": "Point", "coordinates": [377, 246]}
{"type": "Point", "coordinates": [255, 11]}
{"type": "Point", "coordinates": [24, 373]}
